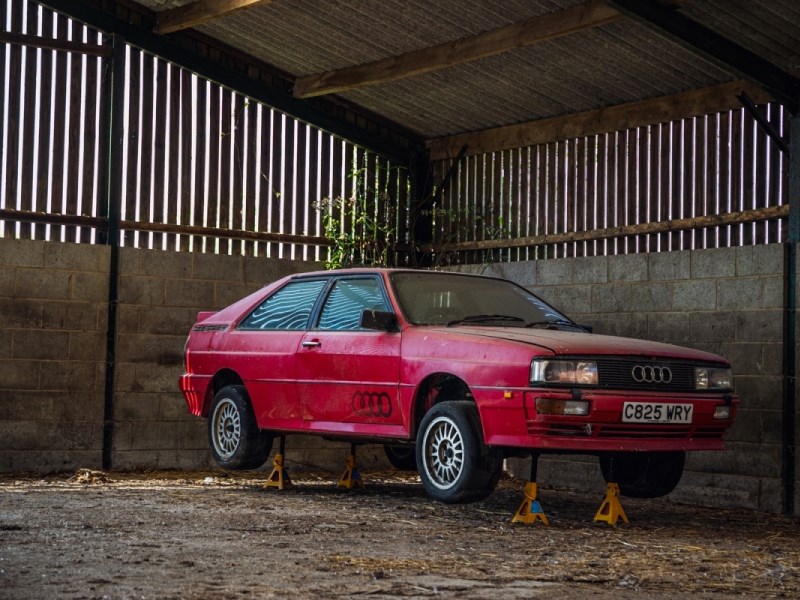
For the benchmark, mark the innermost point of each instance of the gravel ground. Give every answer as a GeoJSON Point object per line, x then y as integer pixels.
{"type": "Point", "coordinates": [214, 535]}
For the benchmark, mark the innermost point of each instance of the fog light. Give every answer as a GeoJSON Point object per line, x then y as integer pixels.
{"type": "Point", "coordinates": [722, 412]}
{"type": "Point", "coordinates": [551, 406]}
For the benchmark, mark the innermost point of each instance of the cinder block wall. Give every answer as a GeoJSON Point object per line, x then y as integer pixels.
{"type": "Point", "coordinates": [727, 301]}
{"type": "Point", "coordinates": [53, 300]}
{"type": "Point", "coordinates": [53, 329]}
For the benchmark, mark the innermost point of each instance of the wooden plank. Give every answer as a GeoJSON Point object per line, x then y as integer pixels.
{"type": "Point", "coordinates": [238, 135]}
{"type": "Point", "coordinates": [73, 167]}
{"type": "Point", "coordinates": [224, 217]}
{"type": "Point", "coordinates": [173, 151]}
{"type": "Point", "coordinates": [59, 144]}
{"type": "Point", "coordinates": [47, 42]}
{"type": "Point", "coordinates": [160, 139]}
{"type": "Point", "coordinates": [535, 30]}
{"type": "Point", "coordinates": [3, 154]}
{"type": "Point", "coordinates": [276, 181]}
{"type": "Point", "coordinates": [613, 118]}
{"type": "Point", "coordinates": [148, 133]}
{"type": "Point", "coordinates": [13, 151]}
{"type": "Point", "coordinates": [133, 190]}
{"type": "Point", "coordinates": [188, 125]}
{"type": "Point", "coordinates": [251, 173]}
{"type": "Point", "coordinates": [28, 115]}
{"type": "Point", "coordinates": [200, 150]}
{"type": "Point", "coordinates": [749, 216]}
{"type": "Point", "coordinates": [163, 228]}
{"type": "Point", "coordinates": [91, 141]}
{"type": "Point", "coordinates": [53, 219]}
{"type": "Point", "coordinates": [199, 12]}
{"type": "Point", "coordinates": [215, 142]}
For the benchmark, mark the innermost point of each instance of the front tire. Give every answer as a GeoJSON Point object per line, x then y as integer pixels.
{"type": "Point", "coordinates": [643, 474]}
{"type": "Point", "coordinates": [236, 442]}
{"type": "Point", "coordinates": [454, 464]}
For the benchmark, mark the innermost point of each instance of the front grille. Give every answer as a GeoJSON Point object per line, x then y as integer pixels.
{"type": "Point", "coordinates": [617, 373]}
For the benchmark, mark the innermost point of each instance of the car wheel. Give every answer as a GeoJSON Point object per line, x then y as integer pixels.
{"type": "Point", "coordinates": [236, 441]}
{"type": "Point", "coordinates": [453, 462]}
{"type": "Point", "coordinates": [643, 474]}
{"type": "Point", "coordinates": [403, 458]}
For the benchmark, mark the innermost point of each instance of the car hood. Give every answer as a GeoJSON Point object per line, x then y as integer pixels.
{"type": "Point", "coordinates": [580, 343]}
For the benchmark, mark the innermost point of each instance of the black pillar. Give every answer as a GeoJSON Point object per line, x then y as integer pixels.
{"type": "Point", "coordinates": [113, 114]}
{"type": "Point", "coordinates": [790, 321]}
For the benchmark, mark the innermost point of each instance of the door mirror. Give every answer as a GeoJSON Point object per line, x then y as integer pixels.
{"type": "Point", "coordinates": [378, 320]}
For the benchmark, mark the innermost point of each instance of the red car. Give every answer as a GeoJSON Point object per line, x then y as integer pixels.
{"type": "Point", "coordinates": [450, 372]}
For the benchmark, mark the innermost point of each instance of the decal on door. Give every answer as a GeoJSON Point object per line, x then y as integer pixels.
{"type": "Point", "coordinates": [372, 404]}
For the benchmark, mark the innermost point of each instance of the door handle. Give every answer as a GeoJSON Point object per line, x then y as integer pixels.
{"type": "Point", "coordinates": [311, 344]}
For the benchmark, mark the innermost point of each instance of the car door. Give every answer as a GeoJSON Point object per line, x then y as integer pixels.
{"type": "Point", "coordinates": [262, 351]}
{"type": "Point", "coordinates": [348, 376]}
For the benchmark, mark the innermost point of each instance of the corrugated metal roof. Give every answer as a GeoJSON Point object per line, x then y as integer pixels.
{"type": "Point", "coordinates": [617, 63]}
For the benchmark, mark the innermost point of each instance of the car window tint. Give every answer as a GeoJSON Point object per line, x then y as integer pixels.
{"type": "Point", "coordinates": [288, 308]}
{"type": "Point", "coordinates": [347, 300]}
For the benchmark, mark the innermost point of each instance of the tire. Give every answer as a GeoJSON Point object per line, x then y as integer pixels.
{"type": "Point", "coordinates": [402, 458]}
{"type": "Point", "coordinates": [453, 462]}
{"type": "Point", "coordinates": [237, 444]}
{"type": "Point", "coordinates": [643, 474]}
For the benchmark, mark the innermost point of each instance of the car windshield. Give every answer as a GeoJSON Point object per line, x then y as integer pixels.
{"type": "Point", "coordinates": [431, 298]}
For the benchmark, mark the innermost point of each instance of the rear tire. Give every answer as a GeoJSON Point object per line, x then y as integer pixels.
{"type": "Point", "coordinates": [454, 464]}
{"type": "Point", "coordinates": [643, 474]}
{"type": "Point", "coordinates": [236, 442]}
{"type": "Point", "coordinates": [402, 458]}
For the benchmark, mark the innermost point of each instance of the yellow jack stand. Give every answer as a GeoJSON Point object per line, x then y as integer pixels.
{"type": "Point", "coordinates": [530, 510]}
{"type": "Point", "coordinates": [611, 509]}
{"type": "Point", "coordinates": [350, 477]}
{"type": "Point", "coordinates": [279, 478]}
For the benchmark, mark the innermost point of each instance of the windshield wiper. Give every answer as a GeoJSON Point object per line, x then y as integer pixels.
{"type": "Point", "coordinates": [553, 324]}
{"type": "Point", "coordinates": [484, 319]}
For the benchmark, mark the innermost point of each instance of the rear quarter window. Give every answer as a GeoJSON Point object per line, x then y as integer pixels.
{"type": "Point", "coordinates": [288, 308]}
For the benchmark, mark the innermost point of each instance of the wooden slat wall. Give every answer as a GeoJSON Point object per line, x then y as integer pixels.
{"type": "Point", "coordinates": [703, 166]}
{"type": "Point", "coordinates": [195, 154]}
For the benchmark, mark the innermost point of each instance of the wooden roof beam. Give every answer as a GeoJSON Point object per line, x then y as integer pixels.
{"type": "Point", "coordinates": [663, 109]}
{"type": "Point", "coordinates": [197, 13]}
{"type": "Point", "coordinates": [592, 13]}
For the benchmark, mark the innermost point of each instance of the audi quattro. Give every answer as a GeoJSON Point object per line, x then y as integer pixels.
{"type": "Point", "coordinates": [451, 373]}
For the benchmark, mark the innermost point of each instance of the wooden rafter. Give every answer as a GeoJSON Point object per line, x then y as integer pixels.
{"type": "Point", "coordinates": [592, 13]}
{"type": "Point", "coordinates": [614, 118]}
{"type": "Point", "coordinates": [196, 13]}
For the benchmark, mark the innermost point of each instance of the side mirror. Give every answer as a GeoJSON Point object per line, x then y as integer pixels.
{"type": "Point", "coordinates": [378, 320]}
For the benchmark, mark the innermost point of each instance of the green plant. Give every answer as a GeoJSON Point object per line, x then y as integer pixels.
{"type": "Point", "coordinates": [362, 226]}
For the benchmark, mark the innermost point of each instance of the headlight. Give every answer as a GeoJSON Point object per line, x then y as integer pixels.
{"type": "Point", "coordinates": [570, 372]}
{"type": "Point", "coordinates": [712, 378]}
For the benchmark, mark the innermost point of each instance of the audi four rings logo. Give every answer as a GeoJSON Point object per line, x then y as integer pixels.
{"type": "Point", "coordinates": [372, 404]}
{"type": "Point", "coordinates": [648, 374]}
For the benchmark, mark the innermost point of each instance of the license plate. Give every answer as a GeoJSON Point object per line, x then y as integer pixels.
{"type": "Point", "coordinates": [651, 412]}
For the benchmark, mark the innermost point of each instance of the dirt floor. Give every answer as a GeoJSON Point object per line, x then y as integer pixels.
{"type": "Point", "coordinates": [212, 535]}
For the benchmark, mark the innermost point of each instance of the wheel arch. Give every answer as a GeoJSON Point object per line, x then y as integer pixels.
{"type": "Point", "coordinates": [435, 388]}
{"type": "Point", "coordinates": [222, 378]}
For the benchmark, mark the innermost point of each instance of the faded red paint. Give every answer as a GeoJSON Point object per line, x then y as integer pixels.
{"type": "Point", "coordinates": [319, 388]}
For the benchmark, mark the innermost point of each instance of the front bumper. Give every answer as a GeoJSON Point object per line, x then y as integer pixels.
{"type": "Point", "coordinates": [514, 422]}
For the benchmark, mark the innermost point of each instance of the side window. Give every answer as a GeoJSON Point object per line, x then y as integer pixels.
{"type": "Point", "coordinates": [288, 308]}
{"type": "Point", "coordinates": [343, 307]}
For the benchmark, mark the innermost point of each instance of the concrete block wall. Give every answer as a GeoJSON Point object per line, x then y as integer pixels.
{"type": "Point", "coordinates": [727, 301]}
{"type": "Point", "coordinates": [160, 294]}
{"type": "Point", "coordinates": [53, 316]}
{"type": "Point", "coordinates": [53, 328]}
